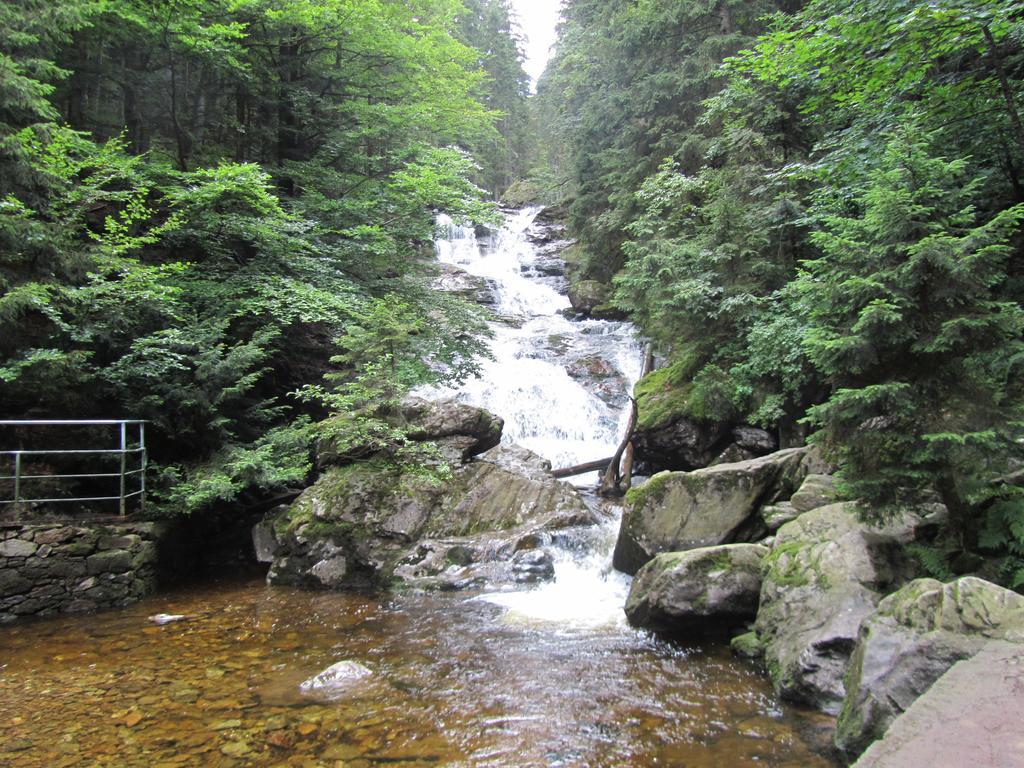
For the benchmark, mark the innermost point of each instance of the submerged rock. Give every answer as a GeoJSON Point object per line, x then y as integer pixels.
{"type": "Point", "coordinates": [913, 638]}
{"type": "Point", "coordinates": [826, 573]}
{"type": "Point", "coordinates": [336, 678]}
{"type": "Point", "coordinates": [702, 591]}
{"type": "Point", "coordinates": [677, 511]}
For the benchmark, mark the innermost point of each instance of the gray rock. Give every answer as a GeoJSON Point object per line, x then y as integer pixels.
{"type": "Point", "coordinates": [54, 536]}
{"type": "Point", "coordinates": [431, 420]}
{"type": "Point", "coordinates": [371, 523]}
{"type": "Point", "coordinates": [123, 541]}
{"type": "Point", "coordinates": [676, 511]}
{"type": "Point", "coordinates": [586, 295]}
{"type": "Point", "coordinates": [17, 548]}
{"type": "Point", "coordinates": [337, 678]}
{"type": "Point", "coordinates": [969, 717]}
{"type": "Point", "coordinates": [451, 279]}
{"type": "Point", "coordinates": [112, 561]}
{"type": "Point", "coordinates": [757, 441]}
{"type": "Point", "coordinates": [263, 542]}
{"type": "Point", "coordinates": [702, 591]}
{"type": "Point", "coordinates": [825, 574]}
{"type": "Point", "coordinates": [532, 565]}
{"type": "Point", "coordinates": [679, 444]}
{"type": "Point", "coordinates": [816, 491]}
{"type": "Point", "coordinates": [13, 583]}
{"type": "Point", "coordinates": [912, 639]}
{"type": "Point", "coordinates": [777, 515]}
{"type": "Point", "coordinates": [331, 571]}
{"type": "Point", "coordinates": [733, 454]}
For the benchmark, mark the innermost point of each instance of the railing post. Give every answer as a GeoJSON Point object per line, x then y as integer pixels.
{"type": "Point", "coordinates": [142, 465]}
{"type": "Point", "coordinates": [124, 456]}
{"type": "Point", "coordinates": [17, 477]}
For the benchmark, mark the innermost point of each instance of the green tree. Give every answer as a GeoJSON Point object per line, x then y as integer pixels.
{"type": "Point", "coordinates": [912, 325]}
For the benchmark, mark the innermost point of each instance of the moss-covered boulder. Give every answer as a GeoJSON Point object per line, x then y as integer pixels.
{"type": "Point", "coordinates": [459, 430]}
{"type": "Point", "coordinates": [826, 573]}
{"type": "Point", "coordinates": [351, 526]}
{"type": "Point", "coordinates": [700, 592]}
{"type": "Point", "coordinates": [911, 640]}
{"type": "Point", "coordinates": [358, 522]}
{"type": "Point", "coordinates": [815, 491]}
{"type": "Point", "coordinates": [508, 487]}
{"type": "Point", "coordinates": [677, 511]}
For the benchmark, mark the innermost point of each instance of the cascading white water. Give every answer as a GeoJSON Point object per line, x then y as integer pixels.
{"type": "Point", "coordinates": [562, 387]}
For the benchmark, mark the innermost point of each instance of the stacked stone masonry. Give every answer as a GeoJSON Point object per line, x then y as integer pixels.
{"type": "Point", "coordinates": [69, 568]}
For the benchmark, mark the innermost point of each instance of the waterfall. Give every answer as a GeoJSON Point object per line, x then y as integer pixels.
{"type": "Point", "coordinates": [563, 388]}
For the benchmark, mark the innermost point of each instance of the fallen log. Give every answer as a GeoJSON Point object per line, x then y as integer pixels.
{"type": "Point", "coordinates": [599, 465]}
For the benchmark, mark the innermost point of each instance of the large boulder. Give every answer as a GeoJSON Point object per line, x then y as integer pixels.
{"type": "Point", "coordinates": [702, 591]}
{"type": "Point", "coordinates": [911, 640]}
{"type": "Point", "coordinates": [452, 279]}
{"type": "Point", "coordinates": [824, 576]}
{"type": "Point", "coordinates": [441, 420]}
{"type": "Point", "coordinates": [677, 511]}
{"type": "Point", "coordinates": [459, 430]}
{"type": "Point", "coordinates": [358, 523]}
{"type": "Point", "coordinates": [507, 487]}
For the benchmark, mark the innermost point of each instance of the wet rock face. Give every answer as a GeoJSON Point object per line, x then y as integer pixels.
{"type": "Point", "coordinates": [451, 279]}
{"type": "Point", "coordinates": [680, 445]}
{"type": "Point", "coordinates": [911, 640]}
{"type": "Point", "coordinates": [700, 592]}
{"type": "Point", "coordinates": [826, 573]}
{"type": "Point", "coordinates": [459, 430]}
{"type": "Point", "coordinates": [478, 429]}
{"type": "Point", "coordinates": [678, 511]}
{"type": "Point", "coordinates": [59, 568]}
{"type": "Point", "coordinates": [373, 524]}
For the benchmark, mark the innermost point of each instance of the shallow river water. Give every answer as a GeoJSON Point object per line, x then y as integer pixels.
{"type": "Point", "coordinates": [457, 681]}
{"type": "Point", "coordinates": [543, 676]}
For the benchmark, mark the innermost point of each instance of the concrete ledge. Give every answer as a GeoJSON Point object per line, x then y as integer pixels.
{"type": "Point", "coordinates": [970, 717]}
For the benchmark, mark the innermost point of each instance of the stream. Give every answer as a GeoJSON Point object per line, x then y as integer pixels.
{"type": "Point", "coordinates": [544, 676]}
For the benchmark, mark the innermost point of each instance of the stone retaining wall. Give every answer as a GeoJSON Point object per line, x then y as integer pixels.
{"type": "Point", "coordinates": [75, 567]}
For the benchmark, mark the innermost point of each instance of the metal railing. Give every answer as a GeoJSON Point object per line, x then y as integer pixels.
{"type": "Point", "coordinates": [124, 451]}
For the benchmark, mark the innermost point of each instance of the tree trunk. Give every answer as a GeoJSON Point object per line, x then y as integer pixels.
{"type": "Point", "coordinates": [1004, 86]}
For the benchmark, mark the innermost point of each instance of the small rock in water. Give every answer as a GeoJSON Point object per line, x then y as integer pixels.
{"type": "Point", "coordinates": [335, 677]}
{"type": "Point", "coordinates": [167, 618]}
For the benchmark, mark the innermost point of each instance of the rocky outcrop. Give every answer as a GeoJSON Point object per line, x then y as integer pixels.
{"type": "Point", "coordinates": [702, 591]}
{"type": "Point", "coordinates": [370, 523]}
{"type": "Point", "coordinates": [591, 298]}
{"type": "Point", "coordinates": [677, 511]}
{"type": "Point", "coordinates": [824, 576]}
{"type": "Point", "coordinates": [478, 290]}
{"type": "Point", "coordinates": [911, 640]}
{"type": "Point", "coordinates": [680, 444]}
{"type": "Point", "coordinates": [817, 490]}
{"type": "Point", "coordinates": [459, 431]}
{"type": "Point", "coordinates": [462, 430]}
{"type": "Point", "coordinates": [76, 567]}
{"type": "Point", "coordinates": [969, 717]}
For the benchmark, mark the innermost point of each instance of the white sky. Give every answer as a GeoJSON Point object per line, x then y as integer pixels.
{"type": "Point", "coordinates": [538, 19]}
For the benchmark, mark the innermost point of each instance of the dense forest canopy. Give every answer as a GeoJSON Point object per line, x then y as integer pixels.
{"type": "Point", "coordinates": [207, 206]}
{"type": "Point", "coordinates": [814, 209]}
